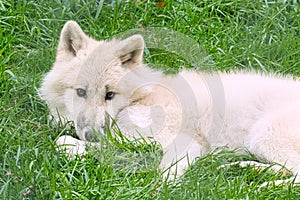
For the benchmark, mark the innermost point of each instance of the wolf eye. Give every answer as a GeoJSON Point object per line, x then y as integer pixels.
{"type": "Point", "coordinates": [81, 92]}
{"type": "Point", "coordinates": [109, 96]}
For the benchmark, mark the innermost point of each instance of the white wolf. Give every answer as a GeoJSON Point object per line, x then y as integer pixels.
{"type": "Point", "coordinates": [189, 114]}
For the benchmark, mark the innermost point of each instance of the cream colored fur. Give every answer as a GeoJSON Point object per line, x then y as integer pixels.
{"type": "Point", "coordinates": [190, 114]}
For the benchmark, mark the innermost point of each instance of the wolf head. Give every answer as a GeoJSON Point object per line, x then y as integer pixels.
{"type": "Point", "coordinates": [91, 80]}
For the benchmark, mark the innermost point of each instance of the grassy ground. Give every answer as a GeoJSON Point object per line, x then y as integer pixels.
{"type": "Point", "coordinates": [237, 34]}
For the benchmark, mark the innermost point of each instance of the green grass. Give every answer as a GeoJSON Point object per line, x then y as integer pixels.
{"type": "Point", "coordinates": [237, 34]}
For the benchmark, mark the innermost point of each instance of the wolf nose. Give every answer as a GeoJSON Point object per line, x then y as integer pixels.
{"type": "Point", "coordinates": [91, 136]}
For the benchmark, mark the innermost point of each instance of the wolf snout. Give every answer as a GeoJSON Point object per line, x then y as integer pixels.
{"type": "Point", "coordinates": [90, 130]}
{"type": "Point", "coordinates": [91, 135]}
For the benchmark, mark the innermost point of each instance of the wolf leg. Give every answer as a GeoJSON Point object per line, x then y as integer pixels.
{"type": "Point", "coordinates": [258, 166]}
{"type": "Point", "coordinates": [275, 168]}
{"type": "Point", "coordinates": [178, 155]}
{"type": "Point", "coordinates": [276, 138]}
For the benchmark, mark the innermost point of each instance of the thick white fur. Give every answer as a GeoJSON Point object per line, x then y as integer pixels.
{"type": "Point", "coordinates": [188, 114]}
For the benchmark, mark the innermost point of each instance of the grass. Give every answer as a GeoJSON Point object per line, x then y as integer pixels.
{"type": "Point", "coordinates": [237, 34]}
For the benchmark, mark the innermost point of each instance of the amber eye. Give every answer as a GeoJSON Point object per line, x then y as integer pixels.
{"type": "Point", "coordinates": [81, 92]}
{"type": "Point", "coordinates": [109, 96]}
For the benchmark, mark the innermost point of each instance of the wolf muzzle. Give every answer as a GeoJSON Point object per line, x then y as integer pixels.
{"type": "Point", "coordinates": [93, 134]}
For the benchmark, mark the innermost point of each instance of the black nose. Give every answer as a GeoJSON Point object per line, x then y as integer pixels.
{"type": "Point", "coordinates": [92, 136]}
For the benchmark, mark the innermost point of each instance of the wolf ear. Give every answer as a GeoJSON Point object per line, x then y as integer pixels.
{"type": "Point", "coordinates": [130, 51]}
{"type": "Point", "coordinates": [72, 39]}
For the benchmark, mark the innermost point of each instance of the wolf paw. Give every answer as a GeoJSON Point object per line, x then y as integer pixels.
{"type": "Point", "coordinates": [70, 145]}
{"type": "Point", "coordinates": [276, 183]}
{"type": "Point", "coordinates": [293, 181]}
